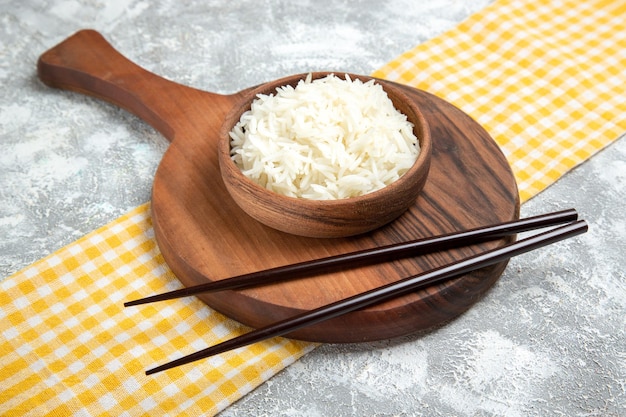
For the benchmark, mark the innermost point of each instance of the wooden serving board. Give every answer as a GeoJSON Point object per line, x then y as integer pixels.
{"type": "Point", "coordinates": [204, 236]}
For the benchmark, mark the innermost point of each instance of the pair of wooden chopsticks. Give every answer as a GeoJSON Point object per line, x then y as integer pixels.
{"type": "Point", "coordinates": [567, 218]}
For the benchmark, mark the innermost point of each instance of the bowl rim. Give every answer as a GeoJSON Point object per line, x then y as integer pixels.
{"type": "Point", "coordinates": [234, 115]}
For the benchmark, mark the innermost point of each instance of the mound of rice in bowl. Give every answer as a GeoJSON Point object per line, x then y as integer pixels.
{"type": "Point", "coordinates": [328, 138]}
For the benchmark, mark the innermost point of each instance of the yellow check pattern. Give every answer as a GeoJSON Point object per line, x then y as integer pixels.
{"type": "Point", "coordinates": [546, 78]}
{"type": "Point", "coordinates": [69, 347]}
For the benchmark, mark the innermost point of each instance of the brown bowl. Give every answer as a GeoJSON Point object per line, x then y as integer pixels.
{"type": "Point", "coordinates": [326, 218]}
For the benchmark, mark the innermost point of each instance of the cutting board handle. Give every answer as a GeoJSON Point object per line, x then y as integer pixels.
{"type": "Point", "coordinates": [85, 62]}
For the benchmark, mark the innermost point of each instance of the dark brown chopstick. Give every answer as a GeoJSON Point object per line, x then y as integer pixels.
{"type": "Point", "coordinates": [370, 256]}
{"type": "Point", "coordinates": [385, 292]}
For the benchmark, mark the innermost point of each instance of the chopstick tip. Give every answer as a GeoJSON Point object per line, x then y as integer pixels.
{"type": "Point", "coordinates": [154, 370]}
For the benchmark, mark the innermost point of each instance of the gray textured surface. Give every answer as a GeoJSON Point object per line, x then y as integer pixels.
{"type": "Point", "coordinates": [549, 339]}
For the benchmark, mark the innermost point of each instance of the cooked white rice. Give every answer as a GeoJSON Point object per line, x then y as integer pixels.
{"type": "Point", "coordinates": [324, 139]}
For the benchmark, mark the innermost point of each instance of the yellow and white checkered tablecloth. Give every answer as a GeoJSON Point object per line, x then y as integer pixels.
{"type": "Point", "coordinates": [69, 347]}
{"type": "Point", "coordinates": [547, 80]}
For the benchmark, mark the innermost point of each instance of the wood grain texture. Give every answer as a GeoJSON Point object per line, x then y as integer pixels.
{"type": "Point", "coordinates": [205, 236]}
